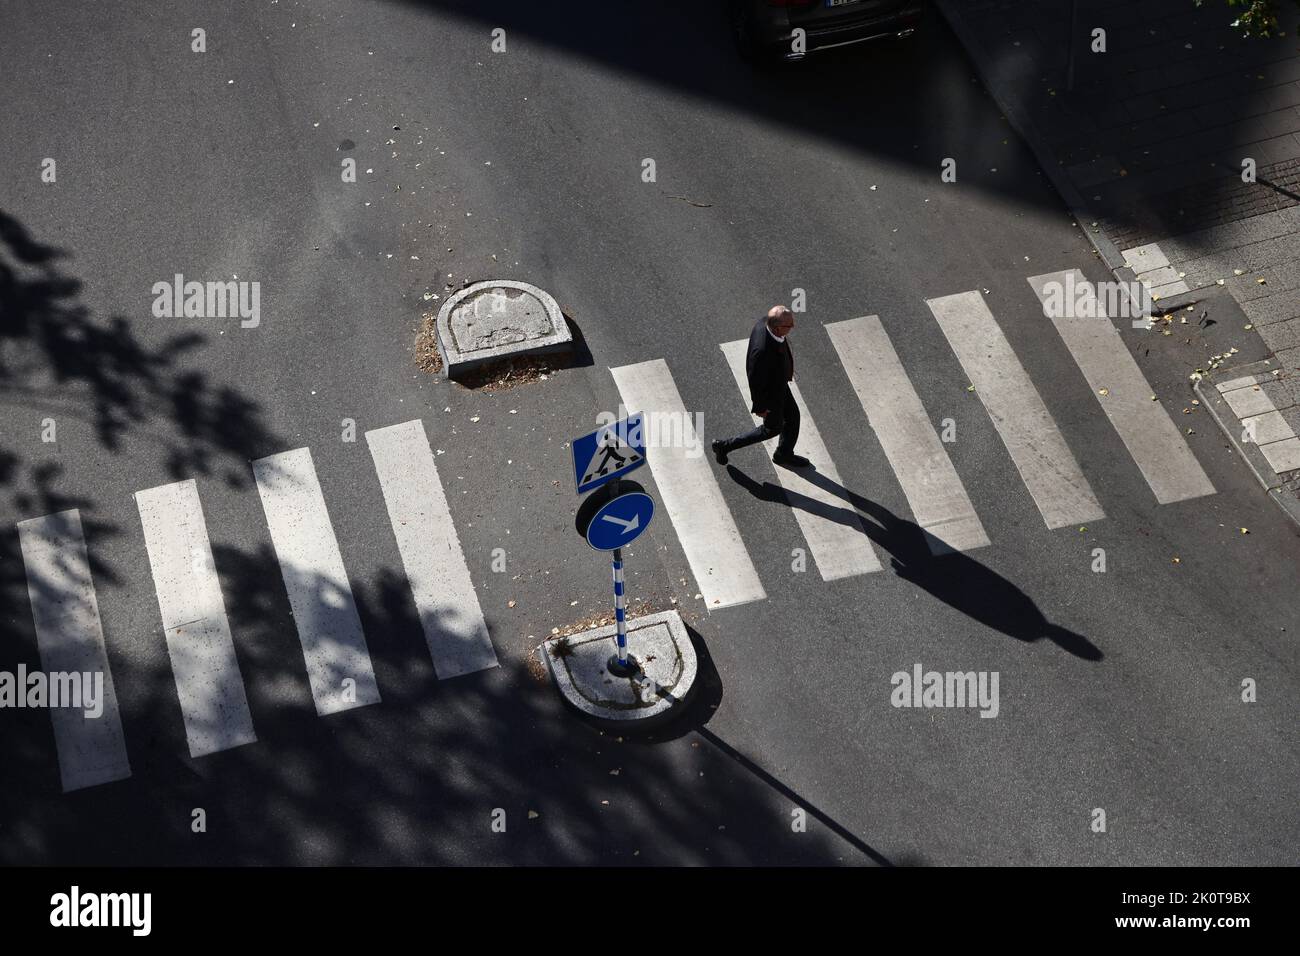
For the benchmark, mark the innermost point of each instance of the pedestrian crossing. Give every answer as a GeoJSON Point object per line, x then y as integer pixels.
{"type": "Point", "coordinates": [70, 638]}
{"type": "Point", "coordinates": [708, 534]}
{"type": "Point", "coordinates": [1035, 444]}
{"type": "Point", "coordinates": [426, 539]}
{"type": "Point", "coordinates": [839, 546]}
{"type": "Point", "coordinates": [1149, 434]}
{"type": "Point", "coordinates": [197, 631]}
{"type": "Point", "coordinates": [198, 634]}
{"type": "Point", "coordinates": [934, 491]}
{"type": "Point", "coordinates": [897, 416]}
{"type": "Point", "coordinates": [329, 628]}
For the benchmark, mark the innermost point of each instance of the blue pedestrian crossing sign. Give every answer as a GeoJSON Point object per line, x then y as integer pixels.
{"type": "Point", "coordinates": [620, 521]}
{"type": "Point", "coordinates": [608, 452]}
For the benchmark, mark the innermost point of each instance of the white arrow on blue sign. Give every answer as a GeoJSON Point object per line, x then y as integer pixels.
{"type": "Point", "coordinates": [608, 452]}
{"type": "Point", "coordinates": [620, 521]}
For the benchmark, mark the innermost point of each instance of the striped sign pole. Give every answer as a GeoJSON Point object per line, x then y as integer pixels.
{"type": "Point", "coordinates": [619, 665]}
{"type": "Point", "coordinates": [620, 611]}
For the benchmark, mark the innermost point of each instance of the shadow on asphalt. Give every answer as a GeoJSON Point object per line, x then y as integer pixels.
{"type": "Point", "coordinates": [954, 578]}
{"type": "Point", "coordinates": [894, 99]}
{"type": "Point", "coordinates": [414, 779]}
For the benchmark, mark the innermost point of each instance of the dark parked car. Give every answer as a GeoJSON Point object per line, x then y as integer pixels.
{"type": "Point", "coordinates": [764, 30]}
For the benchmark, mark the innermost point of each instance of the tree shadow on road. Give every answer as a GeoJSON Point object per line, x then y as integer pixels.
{"type": "Point", "coordinates": [70, 379]}
{"type": "Point", "coordinates": [954, 577]}
{"type": "Point", "coordinates": [485, 768]}
{"type": "Point", "coordinates": [417, 778]}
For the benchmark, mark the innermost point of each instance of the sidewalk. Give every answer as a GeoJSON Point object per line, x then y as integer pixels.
{"type": "Point", "coordinates": [1146, 150]}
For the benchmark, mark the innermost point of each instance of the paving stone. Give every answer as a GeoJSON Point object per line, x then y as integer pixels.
{"type": "Point", "coordinates": [1269, 427]}
{"type": "Point", "coordinates": [1288, 359]}
{"type": "Point", "coordinates": [1283, 391]}
{"type": "Point", "coordinates": [1283, 277]}
{"type": "Point", "coordinates": [1273, 308]}
{"type": "Point", "coordinates": [1244, 382]}
{"type": "Point", "coordinates": [1246, 402]}
{"type": "Point", "coordinates": [1146, 258]}
{"type": "Point", "coordinates": [1281, 336]}
{"type": "Point", "coordinates": [1282, 456]}
{"type": "Point", "coordinates": [1292, 417]}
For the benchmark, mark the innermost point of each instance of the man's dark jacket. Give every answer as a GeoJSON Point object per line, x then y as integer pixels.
{"type": "Point", "coordinates": [769, 366]}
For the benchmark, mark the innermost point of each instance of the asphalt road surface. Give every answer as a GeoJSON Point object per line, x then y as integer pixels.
{"type": "Point", "coordinates": [1120, 690]}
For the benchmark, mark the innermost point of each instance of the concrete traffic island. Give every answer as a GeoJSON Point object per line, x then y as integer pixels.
{"type": "Point", "coordinates": [488, 321]}
{"type": "Point", "coordinates": [662, 678]}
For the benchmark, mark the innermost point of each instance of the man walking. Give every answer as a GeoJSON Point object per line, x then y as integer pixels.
{"type": "Point", "coordinates": [769, 366]}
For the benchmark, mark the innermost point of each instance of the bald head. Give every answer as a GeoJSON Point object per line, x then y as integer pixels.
{"type": "Point", "coordinates": [780, 320]}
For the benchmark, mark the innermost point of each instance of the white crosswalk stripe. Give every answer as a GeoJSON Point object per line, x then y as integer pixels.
{"type": "Point", "coordinates": [324, 611]}
{"type": "Point", "coordinates": [1035, 444]}
{"type": "Point", "coordinates": [934, 491]}
{"type": "Point", "coordinates": [707, 532]}
{"type": "Point", "coordinates": [1149, 434]}
{"type": "Point", "coordinates": [834, 531]}
{"type": "Point", "coordinates": [440, 580]}
{"type": "Point", "coordinates": [70, 638]}
{"type": "Point", "coordinates": [197, 631]}
{"type": "Point", "coordinates": [210, 689]}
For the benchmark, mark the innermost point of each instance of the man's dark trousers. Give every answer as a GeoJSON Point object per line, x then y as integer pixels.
{"type": "Point", "coordinates": [783, 421]}
{"type": "Point", "coordinates": [769, 368]}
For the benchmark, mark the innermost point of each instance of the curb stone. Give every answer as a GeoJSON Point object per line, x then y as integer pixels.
{"type": "Point", "coordinates": [661, 689]}
{"type": "Point", "coordinates": [518, 319]}
{"type": "Point", "coordinates": [1283, 491]}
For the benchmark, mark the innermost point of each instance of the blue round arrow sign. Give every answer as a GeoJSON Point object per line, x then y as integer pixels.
{"type": "Point", "coordinates": [620, 521]}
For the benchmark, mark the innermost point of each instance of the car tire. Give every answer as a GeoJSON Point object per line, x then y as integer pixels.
{"type": "Point", "coordinates": [741, 23]}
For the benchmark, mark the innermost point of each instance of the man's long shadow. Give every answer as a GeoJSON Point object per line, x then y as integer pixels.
{"type": "Point", "coordinates": [953, 577]}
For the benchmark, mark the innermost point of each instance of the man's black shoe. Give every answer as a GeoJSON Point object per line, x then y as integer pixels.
{"type": "Point", "coordinates": [719, 450]}
{"type": "Point", "coordinates": [791, 461]}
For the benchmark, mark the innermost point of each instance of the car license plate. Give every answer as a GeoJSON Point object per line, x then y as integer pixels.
{"type": "Point", "coordinates": [839, 3]}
